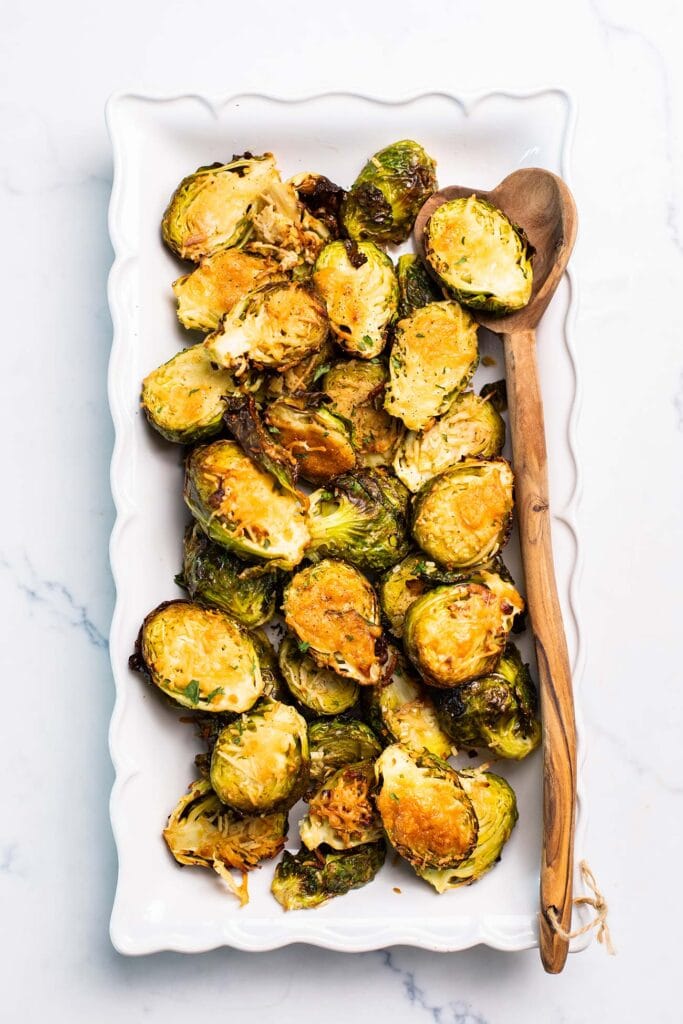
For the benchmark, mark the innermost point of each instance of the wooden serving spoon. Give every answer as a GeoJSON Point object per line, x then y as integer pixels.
{"type": "Point", "coordinates": [543, 206]}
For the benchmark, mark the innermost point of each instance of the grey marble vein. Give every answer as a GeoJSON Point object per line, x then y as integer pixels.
{"type": "Point", "coordinates": [458, 1012]}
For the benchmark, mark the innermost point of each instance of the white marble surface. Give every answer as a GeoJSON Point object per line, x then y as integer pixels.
{"type": "Point", "coordinates": [57, 862]}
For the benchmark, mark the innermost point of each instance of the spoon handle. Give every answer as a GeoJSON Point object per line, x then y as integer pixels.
{"type": "Point", "coordinates": [559, 737]}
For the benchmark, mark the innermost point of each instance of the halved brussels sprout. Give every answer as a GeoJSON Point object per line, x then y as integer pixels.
{"type": "Point", "coordinates": [342, 814]}
{"type": "Point", "coordinates": [387, 195]}
{"type": "Point", "coordinates": [283, 228]}
{"type": "Point", "coordinates": [260, 761]}
{"type": "Point", "coordinates": [334, 612]}
{"type": "Point", "coordinates": [482, 257]}
{"type": "Point", "coordinates": [317, 690]}
{"type": "Point", "coordinates": [242, 507]}
{"type": "Point", "coordinates": [212, 575]}
{"type": "Point", "coordinates": [200, 657]}
{"type": "Point", "coordinates": [338, 742]}
{"type": "Point", "coordinates": [399, 588]}
{"type": "Point", "coordinates": [312, 877]}
{"type": "Point", "coordinates": [456, 633]}
{"type": "Point", "coordinates": [471, 427]}
{"type": "Point", "coordinates": [463, 516]}
{"type": "Point", "coordinates": [318, 439]}
{"type": "Point", "coordinates": [426, 813]}
{"type": "Point", "coordinates": [356, 390]}
{"type": "Point", "coordinates": [273, 684]}
{"type": "Point", "coordinates": [358, 285]}
{"type": "Point", "coordinates": [273, 327]}
{"type": "Point", "coordinates": [217, 285]}
{"type": "Point", "coordinates": [433, 357]}
{"type": "Point", "coordinates": [495, 805]}
{"type": "Point", "coordinates": [184, 399]}
{"type": "Point", "coordinates": [400, 710]}
{"type": "Point", "coordinates": [416, 287]}
{"type": "Point", "coordinates": [497, 711]}
{"type": "Point", "coordinates": [243, 420]}
{"type": "Point", "coordinates": [212, 209]}
{"type": "Point", "coordinates": [303, 375]}
{"type": "Point", "coordinates": [361, 518]}
{"type": "Point", "coordinates": [321, 197]}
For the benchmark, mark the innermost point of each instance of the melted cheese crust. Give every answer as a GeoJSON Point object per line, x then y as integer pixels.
{"type": "Point", "coordinates": [217, 285]}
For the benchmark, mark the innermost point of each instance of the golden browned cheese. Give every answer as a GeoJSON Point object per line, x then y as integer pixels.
{"type": "Point", "coordinates": [220, 281]}
{"type": "Point", "coordinates": [342, 813]}
{"type": "Point", "coordinates": [357, 392]}
{"type": "Point", "coordinates": [321, 453]}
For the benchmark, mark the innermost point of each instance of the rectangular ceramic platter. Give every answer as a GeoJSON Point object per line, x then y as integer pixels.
{"type": "Point", "coordinates": [158, 905]}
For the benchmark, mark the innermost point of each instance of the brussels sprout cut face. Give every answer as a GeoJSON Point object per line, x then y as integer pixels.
{"type": "Point", "coordinates": [318, 440]}
{"type": "Point", "coordinates": [303, 375]}
{"type": "Point", "coordinates": [399, 588]}
{"type": "Point", "coordinates": [433, 357]}
{"type": "Point", "coordinates": [387, 195]}
{"type": "Point", "coordinates": [426, 813]}
{"type": "Point", "coordinates": [260, 761]}
{"type": "Point", "coordinates": [199, 657]}
{"type": "Point", "coordinates": [342, 814]}
{"type": "Point", "coordinates": [333, 611]}
{"type": "Point", "coordinates": [217, 285]}
{"type": "Point", "coordinates": [356, 391]}
{"type": "Point", "coordinates": [471, 427]}
{"type": "Point", "coordinates": [242, 507]}
{"type": "Point", "coordinates": [401, 711]}
{"type": "Point", "coordinates": [464, 516]}
{"type": "Point", "coordinates": [312, 877]}
{"type": "Point", "coordinates": [495, 805]}
{"type": "Point", "coordinates": [275, 326]}
{"type": "Point", "coordinates": [415, 286]}
{"type": "Point", "coordinates": [318, 690]}
{"type": "Point", "coordinates": [211, 209]}
{"type": "Point", "coordinates": [480, 255]}
{"type": "Point", "coordinates": [358, 286]}
{"type": "Point", "coordinates": [338, 742]}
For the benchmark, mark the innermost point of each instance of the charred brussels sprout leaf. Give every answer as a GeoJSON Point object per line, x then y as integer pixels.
{"type": "Point", "coordinates": [318, 691]}
{"type": "Point", "coordinates": [338, 742]}
{"type": "Point", "coordinates": [241, 507]}
{"type": "Point", "coordinates": [260, 761]}
{"type": "Point", "coordinates": [426, 813]}
{"type": "Point", "coordinates": [312, 877]}
{"type": "Point", "coordinates": [495, 805]}
{"type": "Point", "coordinates": [416, 288]}
{"type": "Point", "coordinates": [217, 285]}
{"type": "Point", "coordinates": [333, 610]}
{"type": "Point", "coordinates": [362, 519]}
{"type": "Point", "coordinates": [360, 292]}
{"type": "Point", "coordinates": [400, 710]}
{"type": "Point", "coordinates": [481, 257]}
{"type": "Point", "coordinates": [243, 420]}
{"type": "Point", "coordinates": [355, 389]}
{"type": "Point", "coordinates": [273, 684]}
{"type": "Point", "coordinates": [212, 575]}
{"type": "Point", "coordinates": [200, 657]}
{"type": "Point", "coordinates": [317, 439]}
{"type": "Point", "coordinates": [464, 516]}
{"type": "Point", "coordinates": [433, 357]}
{"type": "Point", "coordinates": [387, 195]}
{"type": "Point", "coordinates": [471, 427]}
{"type": "Point", "coordinates": [272, 327]}
{"type": "Point", "coordinates": [321, 197]}
{"type": "Point", "coordinates": [341, 814]}
{"type": "Point", "coordinates": [496, 711]}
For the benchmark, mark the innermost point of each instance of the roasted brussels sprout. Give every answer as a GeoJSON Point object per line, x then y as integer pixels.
{"type": "Point", "coordinates": [356, 392]}
{"type": "Point", "coordinates": [260, 761]}
{"type": "Point", "coordinates": [273, 684]}
{"type": "Point", "coordinates": [242, 507]}
{"type": "Point", "coordinates": [184, 399]}
{"type": "Point", "coordinates": [463, 516]}
{"type": "Point", "coordinates": [213, 208]}
{"type": "Point", "coordinates": [321, 197]}
{"type": "Point", "coordinates": [426, 813]}
{"type": "Point", "coordinates": [243, 420]}
{"type": "Point", "coordinates": [361, 518]}
{"type": "Point", "coordinates": [400, 710]}
{"type": "Point", "coordinates": [312, 877]}
{"type": "Point", "coordinates": [495, 806]}
{"type": "Point", "coordinates": [496, 711]}
{"type": "Point", "coordinates": [334, 612]}
{"type": "Point", "coordinates": [283, 228]}
{"type": "Point", "coordinates": [433, 357]}
{"type": "Point", "coordinates": [217, 285]}
{"type": "Point", "coordinates": [471, 427]}
{"type": "Point", "coordinates": [387, 195]}
{"type": "Point", "coordinates": [303, 375]}
{"type": "Point", "coordinates": [200, 657]}
{"type": "Point", "coordinates": [456, 633]}
{"type": "Point", "coordinates": [272, 327]}
{"type": "Point", "coordinates": [338, 742]}
{"type": "Point", "coordinates": [359, 288]}
{"type": "Point", "coordinates": [342, 814]}
{"type": "Point", "coordinates": [319, 440]}
{"type": "Point", "coordinates": [212, 575]}
{"type": "Point", "coordinates": [317, 690]}
{"type": "Point", "coordinates": [482, 258]}
{"type": "Point", "coordinates": [416, 287]}
{"type": "Point", "coordinates": [399, 588]}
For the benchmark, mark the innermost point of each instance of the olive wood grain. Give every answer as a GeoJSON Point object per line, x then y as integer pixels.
{"type": "Point", "coordinates": [543, 206]}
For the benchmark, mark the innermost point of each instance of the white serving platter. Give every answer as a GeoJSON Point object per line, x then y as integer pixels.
{"type": "Point", "coordinates": [156, 142]}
